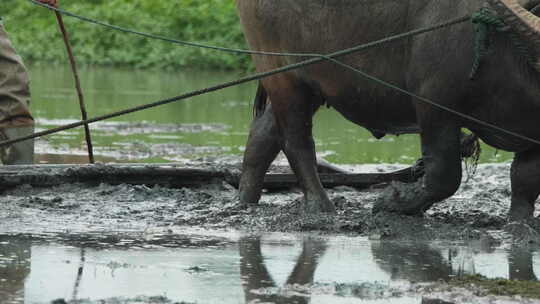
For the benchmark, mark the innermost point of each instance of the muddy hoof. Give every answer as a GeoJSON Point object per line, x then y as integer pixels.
{"type": "Point", "coordinates": [243, 207]}
{"type": "Point", "coordinates": [522, 233]}
{"type": "Point", "coordinates": [434, 301]}
{"type": "Point", "coordinates": [242, 204]}
{"type": "Point", "coordinates": [247, 198]}
{"type": "Point", "coordinates": [521, 213]}
{"type": "Point", "coordinates": [319, 206]}
{"type": "Point", "coordinates": [401, 198]}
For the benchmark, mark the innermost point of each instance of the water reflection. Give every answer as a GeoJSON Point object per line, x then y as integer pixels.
{"type": "Point", "coordinates": [80, 271]}
{"type": "Point", "coordinates": [412, 262]}
{"type": "Point", "coordinates": [520, 265]}
{"type": "Point", "coordinates": [254, 269]}
{"type": "Point", "coordinates": [256, 278]}
{"type": "Point", "coordinates": [420, 262]}
{"type": "Point", "coordinates": [15, 265]}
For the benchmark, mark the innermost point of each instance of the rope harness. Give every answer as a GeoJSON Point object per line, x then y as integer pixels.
{"type": "Point", "coordinates": [486, 23]}
{"type": "Point", "coordinates": [315, 58]}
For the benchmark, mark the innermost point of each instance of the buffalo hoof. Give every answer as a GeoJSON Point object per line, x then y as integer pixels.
{"type": "Point", "coordinates": [244, 206]}
{"type": "Point", "coordinates": [238, 204]}
{"type": "Point", "coordinates": [521, 212]}
{"type": "Point", "coordinates": [248, 198]}
{"type": "Point", "coordinates": [408, 199]}
{"type": "Point", "coordinates": [435, 301]}
{"type": "Point", "coordinates": [316, 206]}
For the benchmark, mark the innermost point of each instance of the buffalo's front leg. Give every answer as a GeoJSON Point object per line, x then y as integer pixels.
{"type": "Point", "coordinates": [294, 109]}
{"type": "Point", "coordinates": [442, 165]}
{"type": "Point", "coordinates": [262, 148]}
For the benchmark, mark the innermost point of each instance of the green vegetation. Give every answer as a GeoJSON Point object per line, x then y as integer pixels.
{"type": "Point", "coordinates": [35, 33]}
{"type": "Point", "coordinates": [503, 287]}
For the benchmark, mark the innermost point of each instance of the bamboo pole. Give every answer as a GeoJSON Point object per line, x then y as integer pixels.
{"type": "Point", "coordinates": [77, 86]}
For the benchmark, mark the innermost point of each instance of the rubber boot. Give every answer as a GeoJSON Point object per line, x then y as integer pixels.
{"type": "Point", "coordinates": [21, 153]}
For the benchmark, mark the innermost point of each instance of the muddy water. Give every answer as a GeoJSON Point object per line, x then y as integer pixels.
{"type": "Point", "coordinates": [213, 124]}
{"type": "Point", "coordinates": [232, 268]}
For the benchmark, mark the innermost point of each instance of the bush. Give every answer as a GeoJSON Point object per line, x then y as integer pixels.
{"type": "Point", "coordinates": [35, 34]}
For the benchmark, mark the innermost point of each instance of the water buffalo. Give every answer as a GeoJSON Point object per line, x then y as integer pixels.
{"type": "Point", "coordinates": [436, 65]}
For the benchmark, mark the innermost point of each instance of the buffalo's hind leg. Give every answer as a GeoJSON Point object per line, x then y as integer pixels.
{"type": "Point", "coordinates": [525, 177]}
{"type": "Point", "coordinates": [262, 148]}
{"type": "Point", "coordinates": [442, 164]}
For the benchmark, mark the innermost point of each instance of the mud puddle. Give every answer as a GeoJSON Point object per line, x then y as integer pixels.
{"type": "Point", "coordinates": [240, 268]}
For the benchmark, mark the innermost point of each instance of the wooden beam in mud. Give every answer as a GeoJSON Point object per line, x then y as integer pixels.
{"type": "Point", "coordinates": [330, 180]}
{"type": "Point", "coordinates": [171, 175]}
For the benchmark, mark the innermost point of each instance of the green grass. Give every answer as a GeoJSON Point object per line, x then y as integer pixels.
{"type": "Point", "coordinates": [503, 287]}
{"type": "Point", "coordinates": [34, 32]}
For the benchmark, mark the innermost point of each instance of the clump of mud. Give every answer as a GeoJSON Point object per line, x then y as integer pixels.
{"type": "Point", "coordinates": [474, 212]}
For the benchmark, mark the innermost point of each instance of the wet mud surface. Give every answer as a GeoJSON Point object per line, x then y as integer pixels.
{"type": "Point", "coordinates": [411, 258]}
{"type": "Point", "coordinates": [478, 209]}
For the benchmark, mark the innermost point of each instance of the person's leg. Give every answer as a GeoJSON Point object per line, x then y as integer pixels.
{"type": "Point", "coordinates": [15, 117]}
